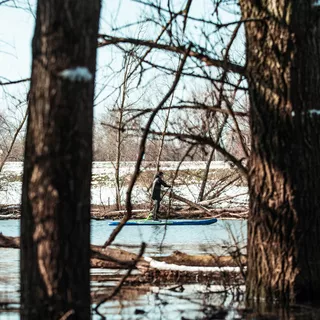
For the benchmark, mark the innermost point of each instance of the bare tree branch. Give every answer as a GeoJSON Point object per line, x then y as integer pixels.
{"type": "Point", "coordinates": [13, 82]}
{"type": "Point", "coordinates": [120, 284]}
{"type": "Point", "coordinates": [207, 141]}
{"type": "Point", "coordinates": [106, 40]}
{"type": "Point", "coordinates": [186, 13]}
{"type": "Point", "coordinates": [182, 107]}
{"type": "Point", "coordinates": [218, 25]}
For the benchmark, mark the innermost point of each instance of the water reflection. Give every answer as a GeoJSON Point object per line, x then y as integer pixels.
{"type": "Point", "coordinates": [190, 302]}
{"type": "Point", "coordinates": [147, 302]}
{"type": "Point", "coordinates": [163, 240]}
{"type": "Point", "coordinates": [179, 301]}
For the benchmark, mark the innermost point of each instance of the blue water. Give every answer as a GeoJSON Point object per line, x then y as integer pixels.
{"type": "Point", "coordinates": [160, 240]}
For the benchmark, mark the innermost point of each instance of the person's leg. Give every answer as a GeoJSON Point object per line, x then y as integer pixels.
{"type": "Point", "coordinates": [156, 209]}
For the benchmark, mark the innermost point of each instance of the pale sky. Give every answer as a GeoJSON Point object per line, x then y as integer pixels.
{"type": "Point", "coordinates": [17, 27]}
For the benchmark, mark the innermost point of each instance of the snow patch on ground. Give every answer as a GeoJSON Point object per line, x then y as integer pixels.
{"type": "Point", "coordinates": [103, 191]}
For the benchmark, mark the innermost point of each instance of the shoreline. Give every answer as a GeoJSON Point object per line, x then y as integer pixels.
{"type": "Point", "coordinates": [141, 211]}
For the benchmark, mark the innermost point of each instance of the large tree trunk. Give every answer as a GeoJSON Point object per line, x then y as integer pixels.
{"type": "Point", "coordinates": [283, 59]}
{"type": "Point", "coordinates": [55, 222]}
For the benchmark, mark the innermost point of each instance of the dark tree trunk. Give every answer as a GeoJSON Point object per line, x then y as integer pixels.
{"type": "Point", "coordinates": [55, 222]}
{"type": "Point", "coordinates": [283, 65]}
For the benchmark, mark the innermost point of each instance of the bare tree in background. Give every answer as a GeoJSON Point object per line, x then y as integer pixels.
{"type": "Point", "coordinates": [120, 123]}
{"type": "Point", "coordinates": [55, 221]}
{"type": "Point", "coordinates": [13, 101]}
{"type": "Point", "coordinates": [11, 143]}
{"type": "Point", "coordinates": [162, 138]}
{"type": "Point", "coordinates": [280, 66]}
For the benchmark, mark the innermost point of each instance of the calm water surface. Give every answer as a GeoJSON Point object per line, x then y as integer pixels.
{"type": "Point", "coordinates": [160, 240]}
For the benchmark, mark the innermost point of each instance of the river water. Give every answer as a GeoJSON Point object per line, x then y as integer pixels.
{"type": "Point", "coordinates": [156, 302]}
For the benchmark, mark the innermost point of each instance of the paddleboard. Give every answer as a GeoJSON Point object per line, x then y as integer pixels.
{"type": "Point", "coordinates": [169, 222]}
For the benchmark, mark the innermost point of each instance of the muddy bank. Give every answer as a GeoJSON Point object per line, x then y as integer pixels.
{"type": "Point", "coordinates": [142, 211]}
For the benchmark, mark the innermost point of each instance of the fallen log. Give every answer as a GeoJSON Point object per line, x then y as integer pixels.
{"type": "Point", "coordinates": [9, 216]}
{"type": "Point", "coordinates": [162, 265]}
{"type": "Point", "coordinates": [9, 212]}
{"type": "Point", "coordinates": [115, 258]}
{"type": "Point", "coordinates": [190, 203]}
{"type": "Point", "coordinates": [112, 258]}
{"type": "Point", "coordinates": [207, 260]}
{"type": "Point", "coordinates": [189, 264]}
{"type": "Point", "coordinates": [124, 211]}
{"type": "Point", "coordinates": [9, 242]}
{"type": "Point", "coordinates": [188, 209]}
{"type": "Point", "coordinates": [215, 210]}
{"type": "Point", "coordinates": [213, 213]}
{"type": "Point", "coordinates": [220, 199]}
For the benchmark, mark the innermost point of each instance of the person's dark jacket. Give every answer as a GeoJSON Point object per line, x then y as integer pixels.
{"type": "Point", "coordinates": [156, 187]}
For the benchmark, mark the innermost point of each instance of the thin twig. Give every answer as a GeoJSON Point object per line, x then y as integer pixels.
{"type": "Point", "coordinates": [13, 82]}
{"type": "Point", "coordinates": [106, 40]}
{"type": "Point", "coordinates": [124, 278]}
{"type": "Point", "coordinates": [207, 141]}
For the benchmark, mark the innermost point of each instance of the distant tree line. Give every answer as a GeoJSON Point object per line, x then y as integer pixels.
{"type": "Point", "coordinates": [105, 146]}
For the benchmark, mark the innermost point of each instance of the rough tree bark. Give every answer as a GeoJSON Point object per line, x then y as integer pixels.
{"type": "Point", "coordinates": [283, 60]}
{"type": "Point", "coordinates": [55, 222]}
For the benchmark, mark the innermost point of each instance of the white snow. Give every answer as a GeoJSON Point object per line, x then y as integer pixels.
{"type": "Point", "coordinates": [314, 111]}
{"type": "Point", "coordinates": [160, 265]}
{"type": "Point", "coordinates": [103, 190]}
{"type": "Point", "coordinates": [78, 74]}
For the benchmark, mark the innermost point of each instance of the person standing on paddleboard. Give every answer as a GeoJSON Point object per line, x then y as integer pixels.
{"type": "Point", "coordinates": [156, 193]}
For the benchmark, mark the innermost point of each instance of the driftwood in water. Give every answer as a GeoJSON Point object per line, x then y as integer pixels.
{"type": "Point", "coordinates": [115, 258]}
{"type": "Point", "coordinates": [208, 260]}
{"type": "Point", "coordinates": [9, 242]}
{"type": "Point", "coordinates": [111, 258]}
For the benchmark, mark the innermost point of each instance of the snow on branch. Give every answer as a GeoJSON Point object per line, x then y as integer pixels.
{"type": "Point", "coordinates": [314, 111]}
{"type": "Point", "coordinates": [316, 3]}
{"type": "Point", "coordinates": [311, 112]}
{"type": "Point", "coordinates": [161, 265]}
{"type": "Point", "coordinates": [78, 74]}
